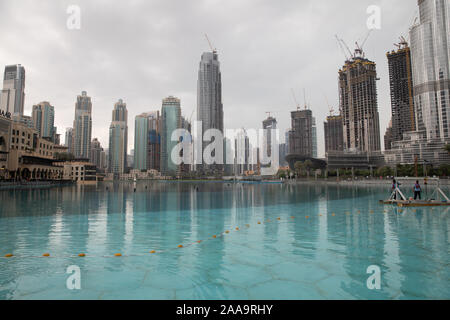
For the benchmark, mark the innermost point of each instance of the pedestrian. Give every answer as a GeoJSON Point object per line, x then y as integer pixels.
{"type": "Point", "coordinates": [394, 186]}
{"type": "Point", "coordinates": [417, 190]}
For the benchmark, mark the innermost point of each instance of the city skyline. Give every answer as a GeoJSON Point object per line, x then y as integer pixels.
{"type": "Point", "coordinates": [255, 80]}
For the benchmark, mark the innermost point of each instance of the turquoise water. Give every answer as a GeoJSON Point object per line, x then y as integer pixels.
{"type": "Point", "coordinates": [321, 247]}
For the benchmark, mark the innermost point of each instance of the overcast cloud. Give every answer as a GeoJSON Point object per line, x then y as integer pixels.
{"type": "Point", "coordinates": [142, 51]}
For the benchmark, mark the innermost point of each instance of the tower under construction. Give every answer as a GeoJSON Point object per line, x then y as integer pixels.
{"type": "Point", "coordinates": [359, 105]}
{"type": "Point", "coordinates": [402, 98]}
{"type": "Point", "coordinates": [301, 135]}
{"type": "Point", "coordinates": [334, 137]}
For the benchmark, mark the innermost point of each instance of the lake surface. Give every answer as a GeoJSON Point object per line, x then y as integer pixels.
{"type": "Point", "coordinates": [292, 242]}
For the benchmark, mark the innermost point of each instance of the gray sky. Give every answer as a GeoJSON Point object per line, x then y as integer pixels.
{"type": "Point", "coordinates": [142, 51]}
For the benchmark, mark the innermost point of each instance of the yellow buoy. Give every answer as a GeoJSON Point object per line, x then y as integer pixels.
{"type": "Point", "coordinates": [81, 255]}
{"type": "Point", "coordinates": [9, 255]}
{"type": "Point", "coordinates": [118, 255]}
{"type": "Point", "coordinates": [292, 217]}
{"type": "Point", "coordinates": [46, 255]}
{"type": "Point", "coordinates": [247, 225]}
{"type": "Point", "coordinates": [237, 229]}
{"type": "Point", "coordinates": [199, 241]}
{"type": "Point", "coordinates": [278, 218]}
{"type": "Point", "coordinates": [307, 217]}
{"type": "Point", "coordinates": [180, 246]}
{"type": "Point", "coordinates": [214, 236]}
{"type": "Point", "coordinates": [227, 231]}
{"type": "Point", "coordinates": [333, 214]}
{"type": "Point", "coordinates": [259, 222]}
{"type": "Point", "coordinates": [153, 251]}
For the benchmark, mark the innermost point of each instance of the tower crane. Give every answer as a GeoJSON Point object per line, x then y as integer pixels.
{"type": "Point", "coordinates": [342, 44]}
{"type": "Point", "coordinates": [330, 108]}
{"type": "Point", "coordinates": [297, 105]}
{"type": "Point", "coordinates": [214, 50]}
{"type": "Point", "coordinates": [402, 44]}
{"type": "Point", "coordinates": [360, 48]}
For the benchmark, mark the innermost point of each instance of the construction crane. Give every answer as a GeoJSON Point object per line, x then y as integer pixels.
{"type": "Point", "coordinates": [304, 97]}
{"type": "Point", "coordinates": [192, 114]}
{"type": "Point", "coordinates": [402, 44]}
{"type": "Point", "coordinates": [342, 44]}
{"type": "Point", "coordinates": [360, 48]}
{"type": "Point", "coordinates": [214, 50]}
{"type": "Point", "coordinates": [330, 108]}
{"type": "Point", "coordinates": [295, 100]}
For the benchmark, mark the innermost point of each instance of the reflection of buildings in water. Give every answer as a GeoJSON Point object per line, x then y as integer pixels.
{"type": "Point", "coordinates": [416, 237]}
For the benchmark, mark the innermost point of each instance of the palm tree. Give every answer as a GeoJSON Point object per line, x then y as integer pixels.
{"type": "Point", "coordinates": [308, 165]}
{"type": "Point", "coordinates": [298, 166]}
{"type": "Point", "coordinates": [447, 148]}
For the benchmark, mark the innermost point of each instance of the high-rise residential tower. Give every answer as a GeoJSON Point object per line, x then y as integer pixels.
{"type": "Point", "coordinates": [69, 140]}
{"type": "Point", "coordinates": [209, 99]}
{"type": "Point", "coordinates": [43, 116]}
{"type": "Point", "coordinates": [359, 104]}
{"type": "Point", "coordinates": [97, 154]}
{"type": "Point", "coordinates": [269, 124]}
{"type": "Point", "coordinates": [301, 135]}
{"type": "Point", "coordinates": [147, 141]}
{"type": "Point", "coordinates": [170, 121]}
{"type": "Point", "coordinates": [402, 100]}
{"type": "Point", "coordinates": [334, 136]}
{"type": "Point", "coordinates": [82, 127]}
{"type": "Point", "coordinates": [12, 96]}
{"type": "Point", "coordinates": [314, 138]}
{"type": "Point", "coordinates": [118, 138]}
{"type": "Point", "coordinates": [430, 52]}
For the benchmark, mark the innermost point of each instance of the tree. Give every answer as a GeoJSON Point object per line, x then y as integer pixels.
{"type": "Point", "coordinates": [298, 166]}
{"type": "Point", "coordinates": [308, 165]}
{"type": "Point", "coordinates": [385, 171]}
{"type": "Point", "coordinates": [281, 174]}
{"type": "Point", "coordinates": [447, 148]}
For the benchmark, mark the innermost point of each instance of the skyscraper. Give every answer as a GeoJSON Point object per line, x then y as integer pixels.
{"type": "Point", "coordinates": [82, 127]}
{"type": "Point", "coordinates": [12, 96]}
{"type": "Point", "coordinates": [118, 138]}
{"type": "Point", "coordinates": [170, 121]}
{"type": "Point", "coordinates": [430, 68]}
{"type": "Point", "coordinates": [209, 99]}
{"type": "Point", "coordinates": [314, 138]}
{"type": "Point", "coordinates": [334, 136]}
{"type": "Point", "coordinates": [97, 154]}
{"type": "Point", "coordinates": [388, 137]}
{"type": "Point", "coordinates": [402, 101]}
{"type": "Point", "coordinates": [301, 135]}
{"type": "Point", "coordinates": [69, 140]}
{"type": "Point", "coordinates": [359, 104]}
{"type": "Point", "coordinates": [147, 141]}
{"type": "Point", "coordinates": [242, 154]}
{"type": "Point", "coordinates": [43, 116]}
{"type": "Point", "coordinates": [269, 124]}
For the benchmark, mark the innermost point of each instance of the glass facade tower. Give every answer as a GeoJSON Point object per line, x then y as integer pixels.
{"type": "Point", "coordinates": [430, 67]}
